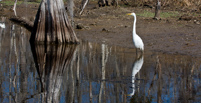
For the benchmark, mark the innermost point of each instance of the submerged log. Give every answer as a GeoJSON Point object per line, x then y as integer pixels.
{"type": "Point", "coordinates": [51, 24]}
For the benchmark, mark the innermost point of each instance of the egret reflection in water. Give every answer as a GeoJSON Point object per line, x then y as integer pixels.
{"type": "Point", "coordinates": [136, 68]}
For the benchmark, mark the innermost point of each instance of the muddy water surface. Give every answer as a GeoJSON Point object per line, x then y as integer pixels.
{"type": "Point", "coordinates": [92, 72]}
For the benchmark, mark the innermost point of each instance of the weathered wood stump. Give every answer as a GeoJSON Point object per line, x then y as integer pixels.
{"type": "Point", "coordinates": [51, 24]}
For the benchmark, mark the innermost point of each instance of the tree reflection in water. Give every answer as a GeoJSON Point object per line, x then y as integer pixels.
{"type": "Point", "coordinates": [52, 62]}
{"type": "Point", "coordinates": [91, 72]}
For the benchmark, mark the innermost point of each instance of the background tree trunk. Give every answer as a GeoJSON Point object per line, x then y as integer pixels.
{"type": "Point", "coordinates": [14, 7]}
{"type": "Point", "coordinates": [70, 7]}
{"type": "Point", "coordinates": [157, 10]}
{"type": "Point", "coordinates": [51, 24]}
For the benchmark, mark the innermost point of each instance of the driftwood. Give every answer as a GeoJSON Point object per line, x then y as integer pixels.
{"type": "Point", "coordinates": [84, 4]}
{"type": "Point", "coordinates": [14, 7]}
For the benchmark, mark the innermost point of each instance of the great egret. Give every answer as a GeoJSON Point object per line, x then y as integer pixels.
{"type": "Point", "coordinates": [136, 39]}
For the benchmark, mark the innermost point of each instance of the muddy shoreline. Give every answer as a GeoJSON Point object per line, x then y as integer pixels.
{"type": "Point", "coordinates": [112, 26]}
{"type": "Point", "coordinates": [169, 35]}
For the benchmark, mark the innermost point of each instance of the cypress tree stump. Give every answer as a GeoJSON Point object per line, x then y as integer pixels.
{"type": "Point", "coordinates": [51, 24]}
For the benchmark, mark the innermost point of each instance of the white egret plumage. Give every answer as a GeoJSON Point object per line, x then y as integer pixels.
{"type": "Point", "coordinates": [2, 25]}
{"type": "Point", "coordinates": [138, 43]}
{"type": "Point", "coordinates": [136, 68]}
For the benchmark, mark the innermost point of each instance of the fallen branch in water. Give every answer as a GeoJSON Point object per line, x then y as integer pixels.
{"type": "Point", "coordinates": [23, 22]}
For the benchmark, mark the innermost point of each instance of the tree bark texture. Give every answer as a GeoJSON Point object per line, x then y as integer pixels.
{"type": "Point", "coordinates": [51, 24]}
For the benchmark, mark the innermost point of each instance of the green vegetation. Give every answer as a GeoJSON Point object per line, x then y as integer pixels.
{"type": "Point", "coordinates": [9, 2]}
{"type": "Point", "coordinates": [146, 13]}
{"type": "Point", "coordinates": [168, 14]}
{"type": "Point", "coordinates": [195, 14]}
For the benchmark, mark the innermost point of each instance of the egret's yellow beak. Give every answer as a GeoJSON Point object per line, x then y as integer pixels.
{"type": "Point", "coordinates": [128, 14]}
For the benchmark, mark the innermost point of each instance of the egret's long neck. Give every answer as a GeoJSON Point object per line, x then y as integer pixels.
{"type": "Point", "coordinates": [134, 24]}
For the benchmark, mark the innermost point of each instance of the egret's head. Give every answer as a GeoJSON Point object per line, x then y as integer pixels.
{"type": "Point", "coordinates": [133, 14]}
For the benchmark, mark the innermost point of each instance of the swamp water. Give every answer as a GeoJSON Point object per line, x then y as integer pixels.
{"type": "Point", "coordinates": [92, 72]}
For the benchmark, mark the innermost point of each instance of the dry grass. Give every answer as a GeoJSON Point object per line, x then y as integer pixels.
{"type": "Point", "coordinates": [171, 3]}
{"type": "Point", "coordinates": [182, 2]}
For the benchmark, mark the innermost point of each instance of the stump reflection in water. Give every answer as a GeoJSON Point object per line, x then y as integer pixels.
{"type": "Point", "coordinates": [51, 62]}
